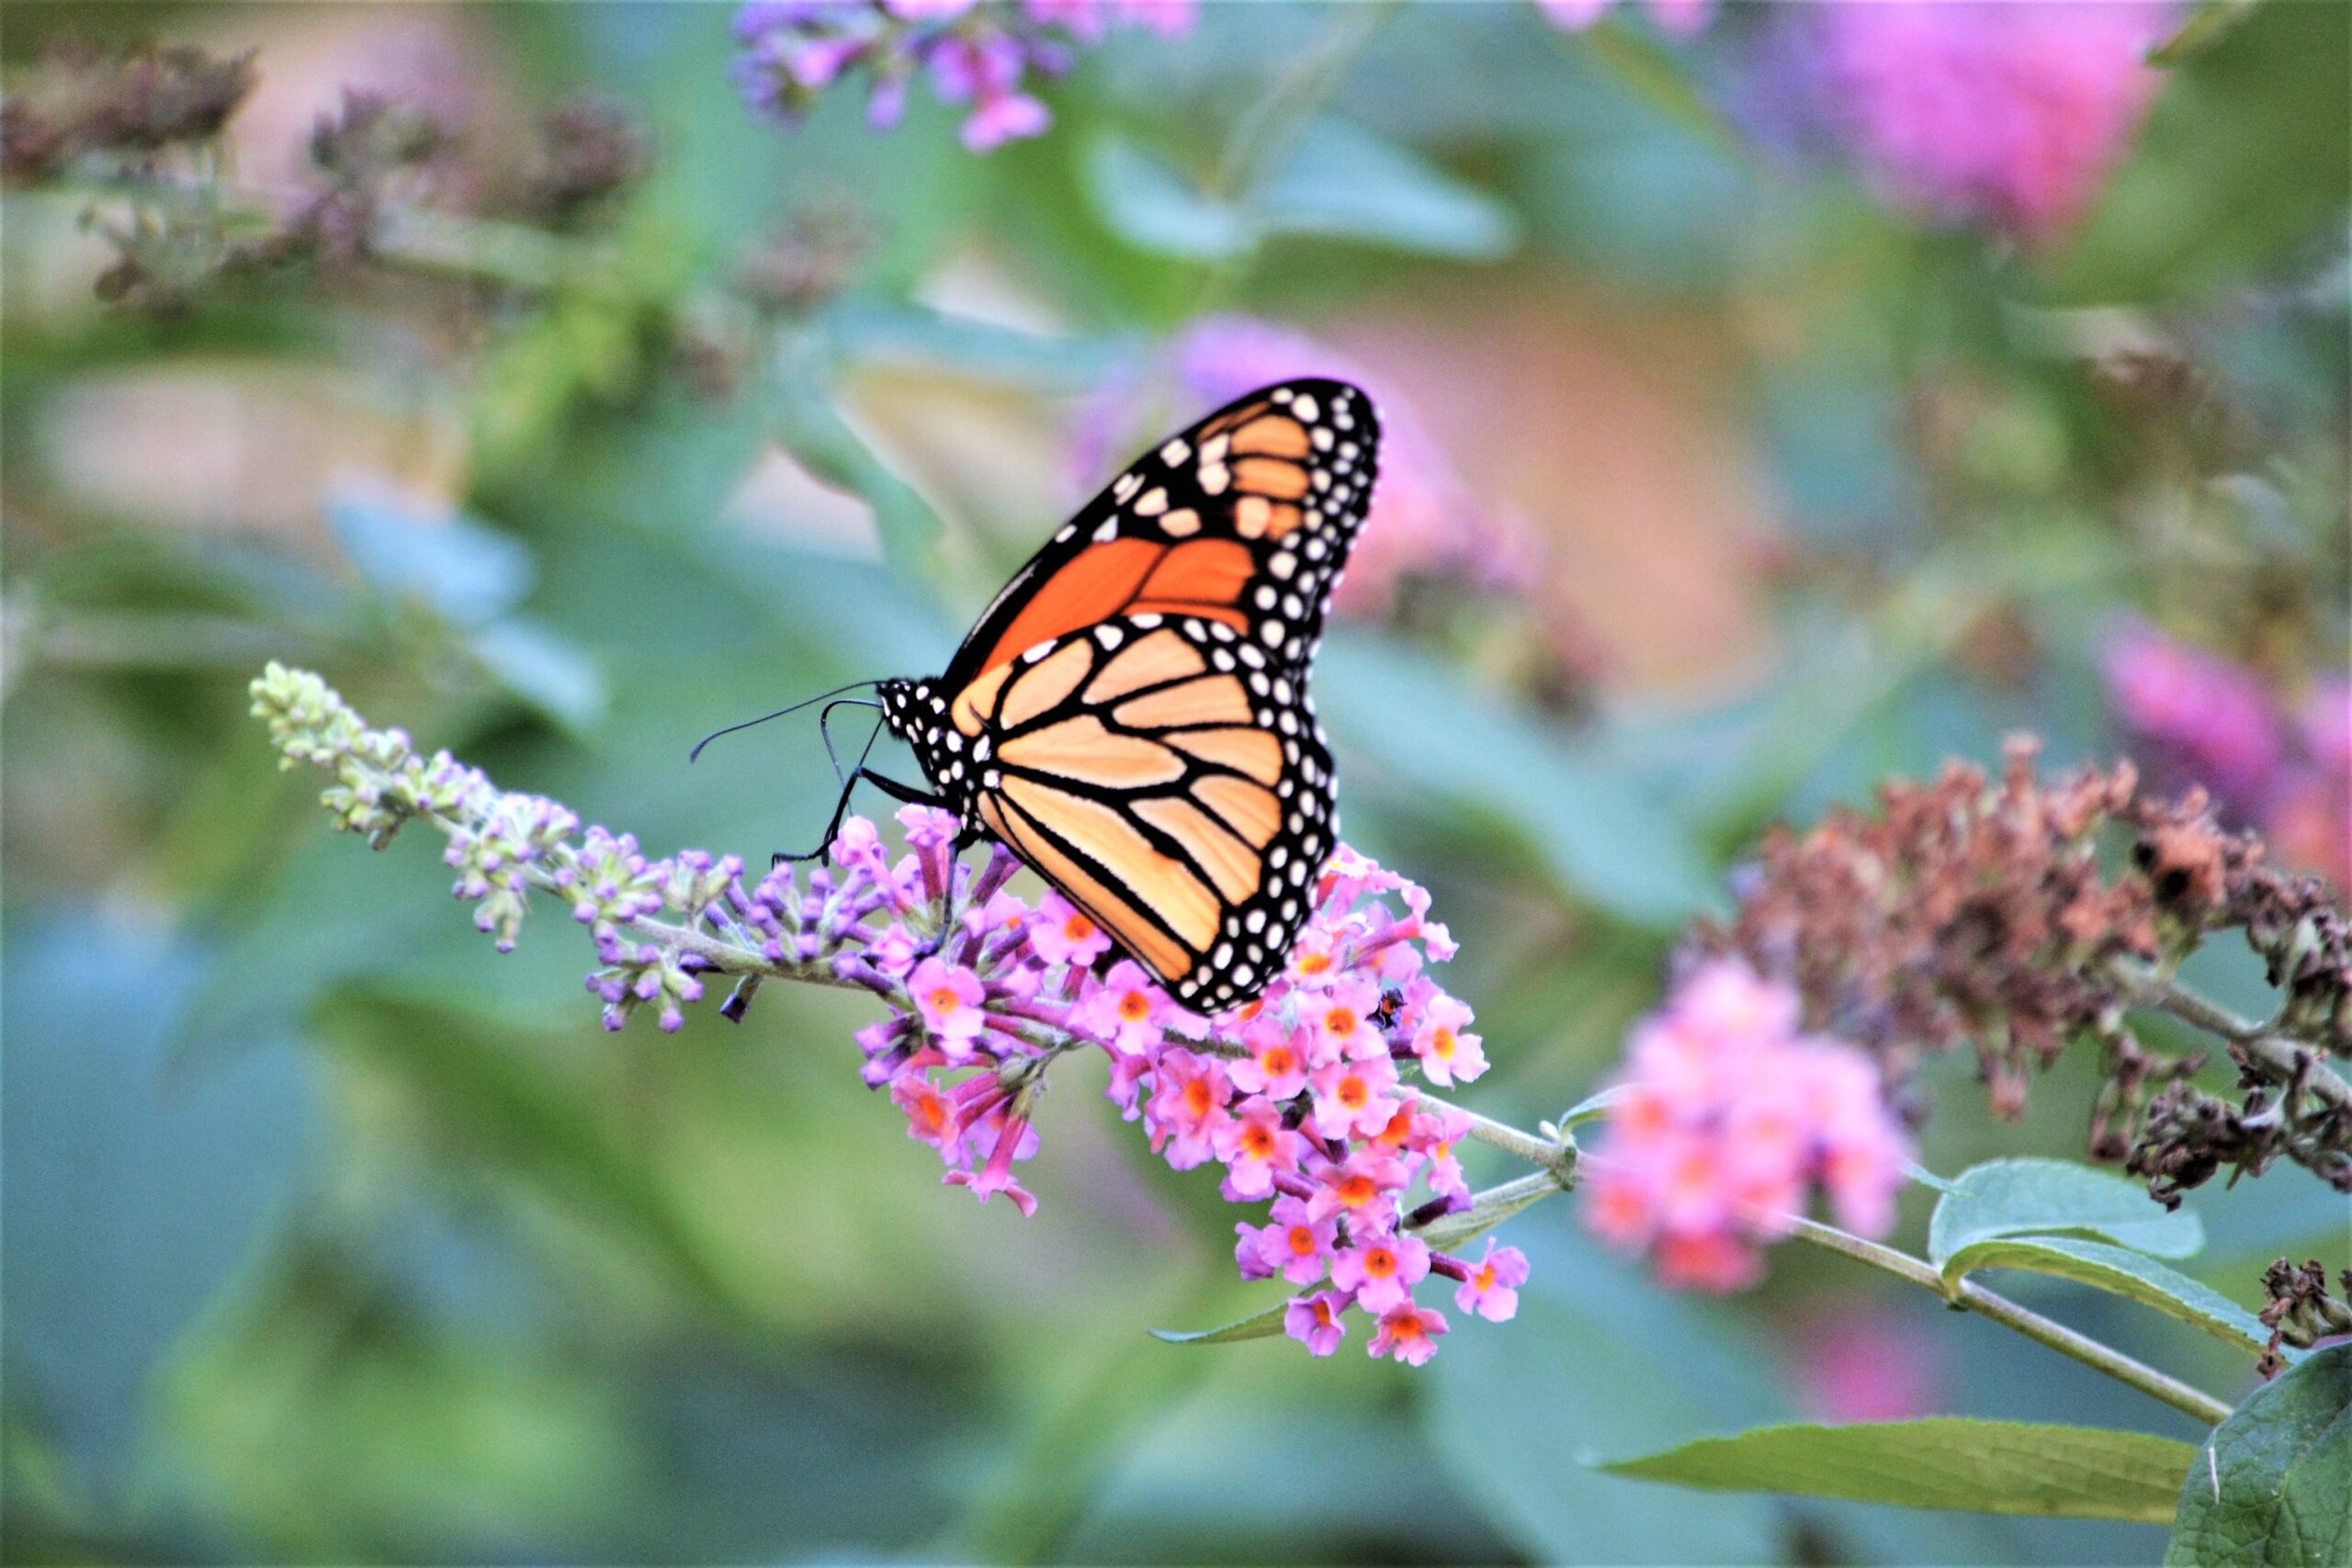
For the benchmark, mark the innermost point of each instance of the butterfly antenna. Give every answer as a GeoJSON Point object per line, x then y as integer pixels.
{"type": "Point", "coordinates": [779, 713]}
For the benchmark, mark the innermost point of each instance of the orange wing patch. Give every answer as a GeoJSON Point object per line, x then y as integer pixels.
{"type": "Point", "coordinates": [1081, 749]}
{"type": "Point", "coordinates": [1151, 660]}
{"type": "Point", "coordinates": [1229, 862]}
{"type": "Point", "coordinates": [1043, 685]}
{"type": "Point", "coordinates": [1251, 809]}
{"type": "Point", "coordinates": [1210, 699]}
{"type": "Point", "coordinates": [1251, 751]}
{"type": "Point", "coordinates": [1163, 883]}
{"type": "Point", "coordinates": [1135, 932]}
{"type": "Point", "coordinates": [976, 703]}
{"type": "Point", "coordinates": [1204, 578]}
{"type": "Point", "coordinates": [1093, 586]}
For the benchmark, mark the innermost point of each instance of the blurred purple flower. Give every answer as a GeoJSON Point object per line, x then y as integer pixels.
{"type": "Point", "coordinates": [2201, 719]}
{"type": "Point", "coordinates": [975, 53]}
{"type": "Point", "coordinates": [2009, 114]}
{"type": "Point", "coordinates": [1424, 521]}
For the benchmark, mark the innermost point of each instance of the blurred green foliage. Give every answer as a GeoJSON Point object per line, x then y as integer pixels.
{"type": "Point", "coordinates": [333, 1234]}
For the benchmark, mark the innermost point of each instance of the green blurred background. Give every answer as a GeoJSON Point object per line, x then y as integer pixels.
{"type": "Point", "coordinates": [331, 1234]}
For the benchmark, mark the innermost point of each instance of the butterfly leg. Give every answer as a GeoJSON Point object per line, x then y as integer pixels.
{"type": "Point", "coordinates": [888, 785]}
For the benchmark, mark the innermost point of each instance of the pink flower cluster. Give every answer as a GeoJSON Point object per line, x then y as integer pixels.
{"type": "Point", "coordinates": [1301, 1097]}
{"type": "Point", "coordinates": [1424, 520]}
{"type": "Point", "coordinates": [1728, 1117]}
{"type": "Point", "coordinates": [2199, 718]}
{"type": "Point", "coordinates": [2004, 114]}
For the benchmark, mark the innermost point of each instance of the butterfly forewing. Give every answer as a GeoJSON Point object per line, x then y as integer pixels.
{"type": "Point", "coordinates": [1131, 715]}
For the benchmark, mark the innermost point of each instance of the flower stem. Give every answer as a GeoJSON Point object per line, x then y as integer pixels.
{"type": "Point", "coordinates": [2066, 1341]}
{"type": "Point", "coordinates": [2282, 1055]}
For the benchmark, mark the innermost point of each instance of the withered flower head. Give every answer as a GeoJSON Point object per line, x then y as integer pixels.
{"type": "Point", "coordinates": [79, 98]}
{"type": "Point", "coordinates": [588, 151]}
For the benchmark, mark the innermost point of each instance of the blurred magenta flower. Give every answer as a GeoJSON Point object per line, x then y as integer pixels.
{"type": "Point", "coordinates": [2199, 716]}
{"type": "Point", "coordinates": [976, 53]}
{"type": "Point", "coordinates": [1729, 1118]}
{"type": "Point", "coordinates": [2008, 115]}
{"type": "Point", "coordinates": [1866, 1363]}
{"type": "Point", "coordinates": [1424, 520]}
{"type": "Point", "coordinates": [1680, 18]}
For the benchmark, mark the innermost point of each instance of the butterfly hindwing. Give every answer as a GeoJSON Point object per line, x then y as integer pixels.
{"type": "Point", "coordinates": [1166, 775]}
{"type": "Point", "coordinates": [1130, 715]}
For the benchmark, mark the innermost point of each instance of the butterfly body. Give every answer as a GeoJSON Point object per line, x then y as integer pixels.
{"type": "Point", "coordinates": [1131, 715]}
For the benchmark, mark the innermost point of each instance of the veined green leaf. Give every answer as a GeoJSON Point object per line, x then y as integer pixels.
{"type": "Point", "coordinates": [1257, 1326]}
{"type": "Point", "coordinates": [1991, 1467]}
{"type": "Point", "coordinates": [2025, 1197]}
{"type": "Point", "coordinates": [2120, 1270]}
{"type": "Point", "coordinates": [2274, 1483]}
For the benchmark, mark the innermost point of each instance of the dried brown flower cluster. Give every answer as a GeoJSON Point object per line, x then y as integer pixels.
{"type": "Point", "coordinates": [2300, 1311]}
{"type": "Point", "coordinates": [1989, 913]}
{"type": "Point", "coordinates": [79, 99]}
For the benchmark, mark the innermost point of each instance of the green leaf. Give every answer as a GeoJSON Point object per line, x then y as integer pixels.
{"type": "Point", "coordinates": [1988, 1467]}
{"type": "Point", "coordinates": [2274, 1484]}
{"type": "Point", "coordinates": [544, 669]}
{"type": "Point", "coordinates": [1339, 181]}
{"type": "Point", "coordinates": [1257, 1326]}
{"type": "Point", "coordinates": [2023, 1197]}
{"type": "Point", "coordinates": [2206, 26]}
{"type": "Point", "coordinates": [1342, 182]}
{"type": "Point", "coordinates": [1152, 205]}
{"type": "Point", "coordinates": [807, 426]}
{"type": "Point", "coordinates": [1451, 1232]}
{"type": "Point", "coordinates": [1599, 832]}
{"type": "Point", "coordinates": [1594, 1107]}
{"type": "Point", "coordinates": [2120, 1270]}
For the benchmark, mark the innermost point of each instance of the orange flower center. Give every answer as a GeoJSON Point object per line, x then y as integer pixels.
{"type": "Point", "coordinates": [1484, 1279]}
{"type": "Point", "coordinates": [1314, 963]}
{"type": "Point", "coordinates": [1258, 1141]}
{"type": "Point", "coordinates": [1352, 1092]}
{"type": "Point", "coordinates": [1302, 1241]}
{"type": "Point", "coordinates": [1135, 1007]}
{"type": "Point", "coordinates": [1340, 1020]}
{"type": "Point", "coordinates": [1400, 1128]}
{"type": "Point", "coordinates": [1278, 1060]}
{"type": "Point", "coordinates": [1443, 1043]}
{"type": "Point", "coordinates": [1323, 1313]}
{"type": "Point", "coordinates": [1196, 1096]}
{"type": "Point", "coordinates": [945, 1000]}
{"type": "Point", "coordinates": [1404, 1328]}
{"type": "Point", "coordinates": [1355, 1191]}
{"type": "Point", "coordinates": [931, 1113]}
{"type": "Point", "coordinates": [1078, 927]}
{"type": "Point", "coordinates": [1379, 1263]}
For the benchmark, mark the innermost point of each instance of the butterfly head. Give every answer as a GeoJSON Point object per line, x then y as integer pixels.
{"type": "Point", "coordinates": [917, 714]}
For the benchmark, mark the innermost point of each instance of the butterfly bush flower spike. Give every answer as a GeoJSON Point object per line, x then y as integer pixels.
{"type": "Point", "coordinates": [1729, 1118]}
{"type": "Point", "coordinates": [976, 54]}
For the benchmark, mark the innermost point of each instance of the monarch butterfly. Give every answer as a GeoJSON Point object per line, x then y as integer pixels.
{"type": "Point", "coordinates": [1130, 715]}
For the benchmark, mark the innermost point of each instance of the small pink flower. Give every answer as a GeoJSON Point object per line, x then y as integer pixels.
{"type": "Point", "coordinates": [1449, 1055]}
{"type": "Point", "coordinates": [1353, 1099]}
{"type": "Point", "coordinates": [1003, 1138]}
{"type": "Point", "coordinates": [1129, 1010]}
{"type": "Point", "coordinates": [1314, 1321]}
{"type": "Point", "coordinates": [1296, 1245]}
{"type": "Point", "coordinates": [1255, 1147]}
{"type": "Point", "coordinates": [1410, 1333]}
{"type": "Point", "coordinates": [1492, 1290]}
{"type": "Point", "coordinates": [1382, 1272]}
{"type": "Point", "coordinates": [948, 995]}
{"type": "Point", "coordinates": [930, 1116]}
{"type": "Point", "coordinates": [1356, 1186]}
{"type": "Point", "coordinates": [893, 951]}
{"type": "Point", "coordinates": [1067, 934]}
{"type": "Point", "coordinates": [1188, 1106]}
{"type": "Point", "coordinates": [1341, 1019]}
{"type": "Point", "coordinates": [1275, 1067]}
{"type": "Point", "coordinates": [1004, 914]}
